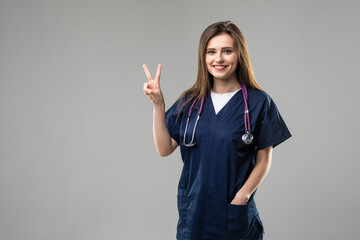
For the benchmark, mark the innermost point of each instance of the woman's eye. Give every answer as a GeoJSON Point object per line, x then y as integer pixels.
{"type": "Point", "coordinates": [227, 51]}
{"type": "Point", "coordinates": [211, 52]}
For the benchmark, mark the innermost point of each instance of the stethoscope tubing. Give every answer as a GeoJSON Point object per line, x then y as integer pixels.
{"type": "Point", "coordinates": [246, 112]}
{"type": "Point", "coordinates": [247, 137]}
{"type": "Point", "coordinates": [197, 119]}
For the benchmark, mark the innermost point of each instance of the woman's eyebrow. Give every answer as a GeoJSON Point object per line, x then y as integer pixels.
{"type": "Point", "coordinates": [221, 48]}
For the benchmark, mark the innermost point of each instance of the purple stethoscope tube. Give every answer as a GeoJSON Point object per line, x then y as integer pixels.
{"type": "Point", "coordinates": [247, 137]}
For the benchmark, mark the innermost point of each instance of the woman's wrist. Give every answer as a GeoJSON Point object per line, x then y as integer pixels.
{"type": "Point", "coordinates": [245, 195]}
{"type": "Point", "coordinates": [160, 105]}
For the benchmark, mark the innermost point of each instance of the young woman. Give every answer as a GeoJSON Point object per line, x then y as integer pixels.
{"type": "Point", "coordinates": [227, 127]}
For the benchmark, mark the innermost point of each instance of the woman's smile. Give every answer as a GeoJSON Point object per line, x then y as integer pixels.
{"type": "Point", "coordinates": [219, 67]}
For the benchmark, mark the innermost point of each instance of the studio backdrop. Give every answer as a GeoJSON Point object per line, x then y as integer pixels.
{"type": "Point", "coordinates": [77, 156]}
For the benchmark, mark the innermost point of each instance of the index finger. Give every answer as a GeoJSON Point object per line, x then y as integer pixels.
{"type": "Point", "coordinates": [148, 75]}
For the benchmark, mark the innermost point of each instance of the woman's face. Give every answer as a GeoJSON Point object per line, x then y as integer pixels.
{"type": "Point", "coordinates": [221, 58]}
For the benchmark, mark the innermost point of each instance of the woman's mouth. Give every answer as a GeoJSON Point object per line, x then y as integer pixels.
{"type": "Point", "coordinates": [219, 67]}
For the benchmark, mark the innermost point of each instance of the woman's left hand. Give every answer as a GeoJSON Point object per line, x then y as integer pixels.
{"type": "Point", "coordinates": [240, 198]}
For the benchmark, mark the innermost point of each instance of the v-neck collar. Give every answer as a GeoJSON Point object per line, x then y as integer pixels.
{"type": "Point", "coordinates": [225, 107]}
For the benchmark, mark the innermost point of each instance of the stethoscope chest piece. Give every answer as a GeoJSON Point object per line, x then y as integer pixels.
{"type": "Point", "coordinates": [247, 138]}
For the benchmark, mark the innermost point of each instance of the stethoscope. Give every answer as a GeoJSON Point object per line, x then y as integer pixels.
{"type": "Point", "coordinates": [247, 137]}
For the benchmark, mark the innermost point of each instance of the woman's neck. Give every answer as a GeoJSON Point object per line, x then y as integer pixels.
{"type": "Point", "coordinates": [225, 86]}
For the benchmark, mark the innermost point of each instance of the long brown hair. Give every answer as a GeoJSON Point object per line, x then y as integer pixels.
{"type": "Point", "coordinates": [244, 71]}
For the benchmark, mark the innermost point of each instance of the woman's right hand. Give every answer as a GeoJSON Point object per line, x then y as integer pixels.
{"type": "Point", "coordinates": [152, 88]}
{"type": "Point", "coordinates": [165, 145]}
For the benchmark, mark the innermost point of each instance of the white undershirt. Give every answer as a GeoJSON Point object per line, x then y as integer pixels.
{"type": "Point", "coordinates": [220, 99]}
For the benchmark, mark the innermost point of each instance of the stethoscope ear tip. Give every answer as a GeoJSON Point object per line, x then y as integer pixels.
{"type": "Point", "coordinates": [189, 144]}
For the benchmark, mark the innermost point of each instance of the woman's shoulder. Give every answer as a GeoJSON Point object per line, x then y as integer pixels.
{"type": "Point", "coordinates": [182, 99]}
{"type": "Point", "coordinates": [258, 95]}
{"type": "Point", "coordinates": [178, 103]}
{"type": "Point", "coordinates": [261, 99]}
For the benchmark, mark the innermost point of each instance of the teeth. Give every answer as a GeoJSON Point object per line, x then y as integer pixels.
{"type": "Point", "coordinates": [219, 67]}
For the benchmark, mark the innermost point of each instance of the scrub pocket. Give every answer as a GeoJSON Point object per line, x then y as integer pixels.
{"type": "Point", "coordinates": [183, 204]}
{"type": "Point", "coordinates": [241, 218]}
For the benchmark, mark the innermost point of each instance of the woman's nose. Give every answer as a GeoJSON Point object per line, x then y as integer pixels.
{"type": "Point", "coordinates": [219, 58]}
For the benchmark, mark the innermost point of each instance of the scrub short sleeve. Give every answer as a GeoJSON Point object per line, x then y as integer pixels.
{"type": "Point", "coordinates": [172, 125]}
{"type": "Point", "coordinates": [271, 130]}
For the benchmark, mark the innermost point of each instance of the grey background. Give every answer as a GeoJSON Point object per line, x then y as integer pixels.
{"type": "Point", "coordinates": [77, 154]}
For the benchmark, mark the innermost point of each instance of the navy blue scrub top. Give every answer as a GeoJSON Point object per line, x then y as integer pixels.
{"type": "Point", "coordinates": [215, 170]}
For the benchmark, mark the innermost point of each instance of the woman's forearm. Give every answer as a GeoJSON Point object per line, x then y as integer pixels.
{"type": "Point", "coordinates": [162, 137]}
{"type": "Point", "coordinates": [257, 175]}
{"type": "Point", "coordinates": [165, 145]}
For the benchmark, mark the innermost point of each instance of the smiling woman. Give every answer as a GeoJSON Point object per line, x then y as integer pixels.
{"type": "Point", "coordinates": [221, 62]}
{"type": "Point", "coordinates": [225, 159]}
